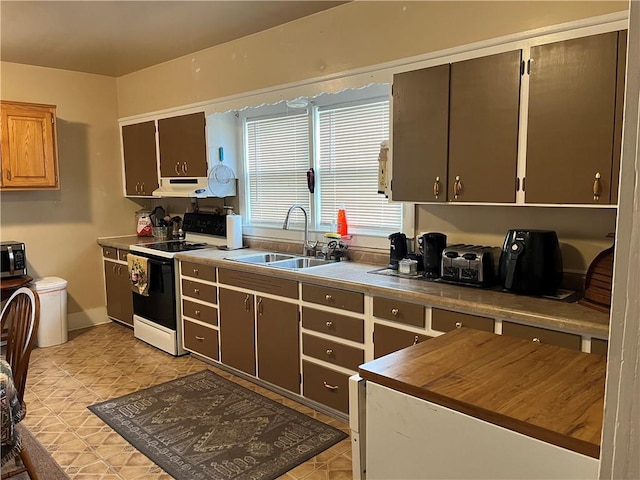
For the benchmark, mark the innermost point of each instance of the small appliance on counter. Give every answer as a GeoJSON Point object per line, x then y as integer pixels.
{"type": "Point", "coordinates": [431, 245]}
{"type": "Point", "coordinates": [473, 265]}
{"type": "Point", "coordinates": [397, 249]}
{"type": "Point", "coordinates": [531, 262]}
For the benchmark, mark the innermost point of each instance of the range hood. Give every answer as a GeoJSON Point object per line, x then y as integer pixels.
{"type": "Point", "coordinates": [194, 187]}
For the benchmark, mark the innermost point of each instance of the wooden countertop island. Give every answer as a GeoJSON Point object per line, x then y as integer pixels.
{"type": "Point", "coordinates": [549, 393]}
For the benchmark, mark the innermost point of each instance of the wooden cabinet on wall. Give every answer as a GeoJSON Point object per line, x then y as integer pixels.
{"type": "Point", "coordinates": [573, 128]}
{"type": "Point", "coordinates": [140, 158]}
{"type": "Point", "coordinates": [117, 285]}
{"type": "Point", "coordinates": [29, 154]}
{"type": "Point", "coordinates": [183, 146]}
{"type": "Point", "coordinates": [576, 90]}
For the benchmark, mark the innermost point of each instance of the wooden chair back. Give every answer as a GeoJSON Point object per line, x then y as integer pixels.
{"type": "Point", "coordinates": [19, 320]}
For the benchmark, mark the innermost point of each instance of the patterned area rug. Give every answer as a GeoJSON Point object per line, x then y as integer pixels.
{"type": "Point", "coordinates": [203, 426]}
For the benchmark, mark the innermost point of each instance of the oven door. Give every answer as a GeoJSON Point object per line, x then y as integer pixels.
{"type": "Point", "coordinates": [160, 305]}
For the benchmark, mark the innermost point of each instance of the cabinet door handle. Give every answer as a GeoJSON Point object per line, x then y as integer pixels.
{"type": "Point", "coordinates": [330, 387]}
{"type": "Point", "coordinates": [119, 269]}
{"type": "Point", "coordinates": [329, 324]}
{"type": "Point", "coordinates": [138, 187]}
{"type": "Point", "coordinates": [436, 187]}
{"type": "Point", "coordinates": [142, 188]}
{"type": "Point", "coordinates": [597, 187]}
{"type": "Point", "coordinates": [260, 306]}
{"type": "Point", "coordinates": [328, 298]}
{"type": "Point", "coordinates": [247, 304]}
{"type": "Point", "coordinates": [329, 351]}
{"type": "Point", "coordinates": [8, 174]}
{"type": "Point", "coordinates": [177, 168]}
{"type": "Point", "coordinates": [458, 324]}
{"type": "Point", "coordinates": [457, 187]}
{"type": "Point", "coordinates": [199, 338]}
{"type": "Point", "coordinates": [184, 167]}
{"type": "Point", "coordinates": [113, 268]}
{"type": "Point", "coordinates": [394, 311]}
{"type": "Point", "coordinates": [536, 340]}
{"type": "Point", "coordinates": [197, 312]}
{"type": "Point", "coordinates": [416, 340]}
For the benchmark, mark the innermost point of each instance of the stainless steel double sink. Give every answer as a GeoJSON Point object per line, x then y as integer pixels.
{"type": "Point", "coordinates": [281, 260]}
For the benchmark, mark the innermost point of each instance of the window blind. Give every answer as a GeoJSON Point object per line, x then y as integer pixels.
{"type": "Point", "coordinates": [349, 144]}
{"type": "Point", "coordinates": [277, 159]}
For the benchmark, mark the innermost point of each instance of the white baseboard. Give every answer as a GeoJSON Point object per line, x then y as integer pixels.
{"type": "Point", "coordinates": [87, 318]}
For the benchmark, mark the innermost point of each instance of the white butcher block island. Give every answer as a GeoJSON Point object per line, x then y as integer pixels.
{"type": "Point", "coordinates": [471, 404]}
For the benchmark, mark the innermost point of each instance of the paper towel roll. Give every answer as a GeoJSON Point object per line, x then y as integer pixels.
{"type": "Point", "coordinates": [234, 232]}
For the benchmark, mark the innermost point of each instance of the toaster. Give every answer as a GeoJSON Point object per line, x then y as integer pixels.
{"type": "Point", "coordinates": [473, 265]}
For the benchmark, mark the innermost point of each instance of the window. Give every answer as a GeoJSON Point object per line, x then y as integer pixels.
{"type": "Point", "coordinates": [341, 141]}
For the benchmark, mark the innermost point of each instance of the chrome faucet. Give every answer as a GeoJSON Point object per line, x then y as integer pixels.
{"type": "Point", "coordinates": [285, 226]}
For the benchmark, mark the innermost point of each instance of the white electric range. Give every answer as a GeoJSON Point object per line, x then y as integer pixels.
{"type": "Point", "coordinates": [156, 315]}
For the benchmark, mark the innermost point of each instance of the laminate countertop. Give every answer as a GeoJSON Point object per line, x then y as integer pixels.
{"type": "Point", "coordinates": [546, 392]}
{"type": "Point", "coordinates": [555, 314]}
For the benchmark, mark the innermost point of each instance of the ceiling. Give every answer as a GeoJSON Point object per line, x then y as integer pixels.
{"type": "Point", "coordinates": [118, 37]}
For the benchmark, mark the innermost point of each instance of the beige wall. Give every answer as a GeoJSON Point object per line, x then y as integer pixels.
{"type": "Point", "coordinates": [355, 35]}
{"type": "Point", "coordinates": [60, 228]}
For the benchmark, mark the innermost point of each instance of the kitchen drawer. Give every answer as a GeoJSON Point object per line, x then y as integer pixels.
{"type": "Point", "coordinates": [599, 346]}
{"type": "Point", "coordinates": [446, 320]}
{"type": "Point", "coordinates": [333, 324]}
{"type": "Point", "coordinates": [201, 339]}
{"type": "Point", "coordinates": [325, 386]}
{"type": "Point", "coordinates": [260, 283]}
{"type": "Point", "coordinates": [388, 339]}
{"type": "Point", "coordinates": [204, 313]}
{"type": "Point", "coordinates": [332, 352]}
{"type": "Point", "coordinates": [201, 291]}
{"type": "Point", "coordinates": [122, 255]}
{"type": "Point", "coordinates": [542, 335]}
{"type": "Point", "coordinates": [398, 311]}
{"type": "Point", "coordinates": [110, 252]}
{"type": "Point", "coordinates": [333, 297]}
{"type": "Point", "coordinates": [197, 270]}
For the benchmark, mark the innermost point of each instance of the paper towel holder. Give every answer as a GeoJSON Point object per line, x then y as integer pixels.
{"type": "Point", "coordinates": [234, 229]}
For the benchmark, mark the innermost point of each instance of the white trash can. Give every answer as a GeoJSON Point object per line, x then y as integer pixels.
{"type": "Point", "coordinates": [53, 327]}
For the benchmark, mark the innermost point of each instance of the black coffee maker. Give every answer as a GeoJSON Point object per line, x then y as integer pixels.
{"type": "Point", "coordinates": [397, 249]}
{"type": "Point", "coordinates": [431, 245]}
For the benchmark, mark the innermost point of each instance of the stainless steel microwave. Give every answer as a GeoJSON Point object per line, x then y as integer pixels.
{"type": "Point", "coordinates": [13, 260]}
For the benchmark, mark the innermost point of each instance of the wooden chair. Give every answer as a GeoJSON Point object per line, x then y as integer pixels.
{"type": "Point", "coordinates": [19, 325]}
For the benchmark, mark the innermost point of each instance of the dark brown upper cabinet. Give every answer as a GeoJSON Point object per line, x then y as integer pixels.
{"type": "Point", "coordinates": [576, 90]}
{"type": "Point", "coordinates": [183, 146]}
{"type": "Point", "coordinates": [420, 134]}
{"type": "Point", "coordinates": [140, 158]}
{"type": "Point", "coordinates": [483, 128]}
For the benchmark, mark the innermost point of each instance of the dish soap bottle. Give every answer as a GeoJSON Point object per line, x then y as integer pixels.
{"type": "Point", "coordinates": [343, 227]}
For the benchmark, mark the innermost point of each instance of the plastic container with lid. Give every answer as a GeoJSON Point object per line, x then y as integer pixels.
{"type": "Point", "coordinates": [53, 326]}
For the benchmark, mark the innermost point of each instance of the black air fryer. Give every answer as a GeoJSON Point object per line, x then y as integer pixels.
{"type": "Point", "coordinates": [531, 262]}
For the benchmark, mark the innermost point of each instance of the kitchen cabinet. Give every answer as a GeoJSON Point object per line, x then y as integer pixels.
{"type": "Point", "coordinates": [118, 286]}
{"type": "Point", "coordinates": [140, 158]}
{"type": "Point", "coordinates": [29, 148]}
{"type": "Point", "coordinates": [237, 330]}
{"type": "Point", "coordinates": [388, 339]}
{"type": "Point", "coordinates": [576, 90]}
{"type": "Point", "coordinates": [183, 146]}
{"type": "Point", "coordinates": [420, 134]}
{"type": "Point", "coordinates": [542, 335]}
{"type": "Point", "coordinates": [278, 343]}
{"type": "Point", "coordinates": [483, 128]}
{"type": "Point", "coordinates": [447, 320]}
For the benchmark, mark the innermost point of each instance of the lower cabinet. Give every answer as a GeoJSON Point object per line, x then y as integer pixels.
{"type": "Point", "coordinates": [201, 339]}
{"type": "Point", "coordinates": [237, 330]}
{"type": "Point", "coordinates": [447, 320]}
{"type": "Point", "coordinates": [278, 343]}
{"type": "Point", "coordinates": [389, 339]}
{"type": "Point", "coordinates": [542, 335]}
{"type": "Point", "coordinates": [326, 386]}
{"type": "Point", "coordinates": [119, 293]}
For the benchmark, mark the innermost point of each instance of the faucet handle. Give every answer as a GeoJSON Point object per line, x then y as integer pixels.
{"type": "Point", "coordinates": [310, 249]}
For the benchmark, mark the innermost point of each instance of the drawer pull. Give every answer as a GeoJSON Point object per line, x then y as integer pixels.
{"type": "Point", "coordinates": [197, 312]}
{"type": "Point", "coordinates": [328, 298]}
{"type": "Point", "coordinates": [329, 351]}
{"type": "Point", "coordinates": [330, 387]}
{"type": "Point", "coordinates": [196, 291]}
{"type": "Point", "coordinates": [458, 324]}
{"type": "Point", "coordinates": [196, 272]}
{"type": "Point", "coordinates": [416, 340]}
{"type": "Point", "coordinates": [394, 311]}
{"type": "Point", "coordinates": [329, 324]}
{"type": "Point", "coordinates": [199, 338]}
{"type": "Point", "coordinates": [536, 340]}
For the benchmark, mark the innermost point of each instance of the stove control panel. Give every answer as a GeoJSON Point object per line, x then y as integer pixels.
{"type": "Point", "coordinates": [206, 223]}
